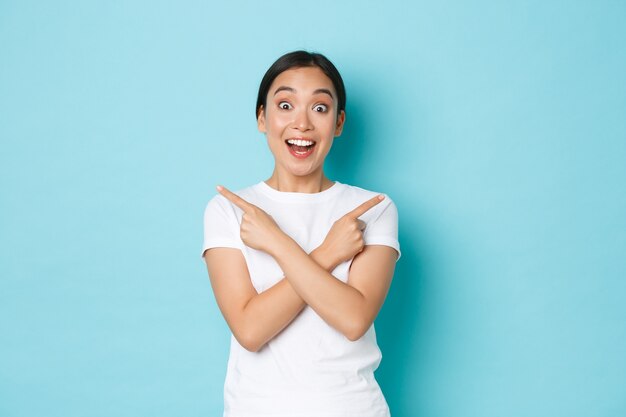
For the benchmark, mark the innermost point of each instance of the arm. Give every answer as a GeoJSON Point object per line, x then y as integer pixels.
{"type": "Point", "coordinates": [348, 307]}
{"type": "Point", "coordinates": [253, 318]}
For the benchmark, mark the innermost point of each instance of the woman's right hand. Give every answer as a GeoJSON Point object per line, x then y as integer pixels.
{"type": "Point", "coordinates": [258, 229]}
{"type": "Point", "coordinates": [345, 238]}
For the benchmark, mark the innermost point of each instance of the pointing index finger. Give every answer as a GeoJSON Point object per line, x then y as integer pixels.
{"type": "Point", "coordinates": [234, 198]}
{"type": "Point", "coordinates": [363, 208]}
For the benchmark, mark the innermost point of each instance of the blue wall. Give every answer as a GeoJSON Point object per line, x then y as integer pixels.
{"type": "Point", "coordinates": [498, 129]}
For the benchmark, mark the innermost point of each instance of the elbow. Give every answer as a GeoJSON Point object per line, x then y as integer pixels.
{"type": "Point", "coordinates": [357, 330]}
{"type": "Point", "coordinates": [248, 341]}
{"type": "Point", "coordinates": [354, 335]}
{"type": "Point", "coordinates": [250, 347]}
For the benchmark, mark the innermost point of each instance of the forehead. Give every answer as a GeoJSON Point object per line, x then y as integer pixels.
{"type": "Point", "coordinates": [303, 80]}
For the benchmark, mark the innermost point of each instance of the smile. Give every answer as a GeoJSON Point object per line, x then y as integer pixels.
{"type": "Point", "coordinates": [300, 148]}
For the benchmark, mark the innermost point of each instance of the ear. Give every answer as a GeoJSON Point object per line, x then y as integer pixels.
{"type": "Point", "coordinates": [341, 119]}
{"type": "Point", "coordinates": [260, 120]}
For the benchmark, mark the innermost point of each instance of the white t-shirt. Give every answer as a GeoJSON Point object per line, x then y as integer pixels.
{"type": "Point", "coordinates": [309, 369]}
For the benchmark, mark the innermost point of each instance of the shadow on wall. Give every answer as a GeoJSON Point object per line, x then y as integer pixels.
{"type": "Point", "coordinates": [348, 155]}
{"type": "Point", "coordinates": [398, 324]}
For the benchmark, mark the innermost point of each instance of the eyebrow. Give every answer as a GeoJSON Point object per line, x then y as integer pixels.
{"type": "Point", "coordinates": [284, 88]}
{"type": "Point", "coordinates": [293, 90]}
{"type": "Point", "coordinates": [323, 91]}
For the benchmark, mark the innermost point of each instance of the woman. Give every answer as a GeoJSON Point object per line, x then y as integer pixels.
{"type": "Point", "coordinates": [300, 265]}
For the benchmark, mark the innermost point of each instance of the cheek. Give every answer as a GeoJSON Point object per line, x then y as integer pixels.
{"type": "Point", "coordinates": [329, 125]}
{"type": "Point", "coordinates": [278, 120]}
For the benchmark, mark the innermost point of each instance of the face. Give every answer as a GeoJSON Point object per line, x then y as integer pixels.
{"type": "Point", "coordinates": [300, 120]}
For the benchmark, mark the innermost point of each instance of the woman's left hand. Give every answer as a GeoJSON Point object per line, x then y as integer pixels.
{"type": "Point", "coordinates": [258, 229]}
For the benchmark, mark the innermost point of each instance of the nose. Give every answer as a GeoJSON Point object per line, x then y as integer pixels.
{"type": "Point", "coordinates": [303, 121]}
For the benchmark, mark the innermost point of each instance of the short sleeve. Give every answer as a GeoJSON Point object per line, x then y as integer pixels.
{"type": "Point", "coordinates": [221, 226]}
{"type": "Point", "coordinates": [382, 229]}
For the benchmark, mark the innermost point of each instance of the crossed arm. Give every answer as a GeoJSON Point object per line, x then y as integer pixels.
{"type": "Point", "coordinates": [349, 307]}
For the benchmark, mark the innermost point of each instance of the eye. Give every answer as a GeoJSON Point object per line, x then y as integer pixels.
{"type": "Point", "coordinates": [322, 108]}
{"type": "Point", "coordinates": [285, 105]}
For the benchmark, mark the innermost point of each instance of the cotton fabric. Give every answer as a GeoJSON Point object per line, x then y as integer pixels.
{"type": "Point", "coordinates": [309, 369]}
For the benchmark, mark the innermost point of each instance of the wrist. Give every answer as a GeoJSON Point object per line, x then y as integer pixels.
{"type": "Point", "coordinates": [281, 245]}
{"type": "Point", "coordinates": [321, 256]}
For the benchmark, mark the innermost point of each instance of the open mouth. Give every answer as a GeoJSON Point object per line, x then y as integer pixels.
{"type": "Point", "coordinates": [300, 148]}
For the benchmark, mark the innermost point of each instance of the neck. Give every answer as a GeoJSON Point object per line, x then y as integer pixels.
{"type": "Point", "coordinates": [293, 184]}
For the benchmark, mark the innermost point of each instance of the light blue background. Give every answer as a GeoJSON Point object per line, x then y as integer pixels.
{"type": "Point", "coordinates": [497, 127]}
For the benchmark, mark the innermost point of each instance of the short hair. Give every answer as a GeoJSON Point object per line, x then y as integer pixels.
{"type": "Point", "coordinates": [301, 59]}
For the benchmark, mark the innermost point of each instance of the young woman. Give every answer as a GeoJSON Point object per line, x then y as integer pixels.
{"type": "Point", "coordinates": [300, 265]}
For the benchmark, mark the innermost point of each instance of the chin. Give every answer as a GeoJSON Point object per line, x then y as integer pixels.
{"type": "Point", "coordinates": [301, 171]}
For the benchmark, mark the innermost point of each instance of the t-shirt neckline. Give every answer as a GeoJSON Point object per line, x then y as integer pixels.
{"type": "Point", "coordinates": [293, 197]}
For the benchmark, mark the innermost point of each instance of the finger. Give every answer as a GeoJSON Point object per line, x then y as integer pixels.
{"type": "Point", "coordinates": [360, 210]}
{"type": "Point", "coordinates": [234, 198]}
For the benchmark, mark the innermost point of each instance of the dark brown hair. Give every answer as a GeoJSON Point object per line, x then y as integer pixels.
{"type": "Point", "coordinates": [299, 59]}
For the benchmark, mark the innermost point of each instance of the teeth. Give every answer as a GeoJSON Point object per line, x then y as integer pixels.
{"type": "Point", "coordinates": [299, 142]}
